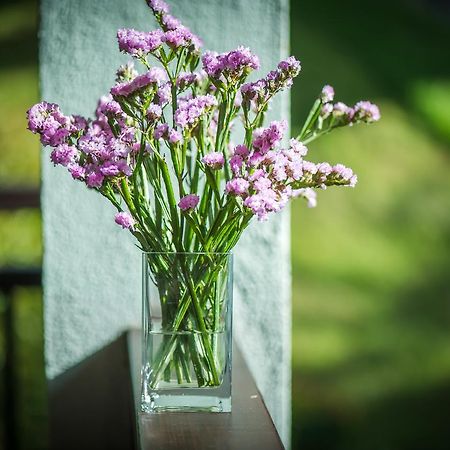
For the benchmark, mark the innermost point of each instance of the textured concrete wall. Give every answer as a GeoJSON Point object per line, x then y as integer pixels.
{"type": "Point", "coordinates": [91, 268]}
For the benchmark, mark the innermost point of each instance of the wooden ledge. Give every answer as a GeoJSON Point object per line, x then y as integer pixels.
{"type": "Point", "coordinates": [249, 425]}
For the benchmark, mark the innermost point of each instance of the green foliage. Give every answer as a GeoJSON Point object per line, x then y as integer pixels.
{"type": "Point", "coordinates": [370, 305]}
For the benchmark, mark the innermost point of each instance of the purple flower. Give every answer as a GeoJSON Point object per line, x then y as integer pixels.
{"type": "Point", "coordinates": [79, 122]}
{"type": "Point", "coordinates": [109, 169]}
{"type": "Point", "coordinates": [64, 154]}
{"type": "Point", "coordinates": [161, 131]}
{"type": "Point", "coordinates": [164, 94]}
{"type": "Point", "coordinates": [242, 151]}
{"type": "Point", "coordinates": [309, 167]}
{"type": "Point", "coordinates": [236, 163]}
{"type": "Point", "coordinates": [188, 202]}
{"type": "Point", "coordinates": [181, 37]}
{"type": "Point", "coordinates": [298, 147]}
{"type": "Point", "coordinates": [169, 22]}
{"type": "Point", "coordinates": [265, 139]}
{"type": "Point", "coordinates": [155, 76]}
{"type": "Point", "coordinates": [47, 120]}
{"type": "Point", "coordinates": [174, 136]}
{"type": "Point", "coordinates": [95, 180]}
{"type": "Point", "coordinates": [158, 6]}
{"type": "Point", "coordinates": [138, 43]}
{"type": "Point", "coordinates": [214, 160]}
{"type": "Point", "coordinates": [341, 110]}
{"type": "Point", "coordinates": [186, 79]}
{"type": "Point", "coordinates": [238, 187]}
{"type": "Point", "coordinates": [78, 172]}
{"type": "Point", "coordinates": [282, 77]}
{"type": "Point", "coordinates": [290, 66]}
{"type": "Point", "coordinates": [125, 220]}
{"type": "Point", "coordinates": [366, 112]}
{"type": "Point", "coordinates": [256, 91]}
{"type": "Point", "coordinates": [327, 94]}
{"type": "Point", "coordinates": [154, 112]}
{"type": "Point", "coordinates": [231, 64]}
{"type": "Point", "coordinates": [190, 111]}
{"type": "Point", "coordinates": [326, 110]}
{"type": "Point", "coordinates": [263, 202]}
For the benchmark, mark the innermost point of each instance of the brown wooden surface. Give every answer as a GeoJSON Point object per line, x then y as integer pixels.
{"type": "Point", "coordinates": [247, 427]}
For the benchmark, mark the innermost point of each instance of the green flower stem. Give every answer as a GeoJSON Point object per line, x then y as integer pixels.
{"type": "Point", "coordinates": [203, 331]}
{"type": "Point", "coordinates": [312, 117]}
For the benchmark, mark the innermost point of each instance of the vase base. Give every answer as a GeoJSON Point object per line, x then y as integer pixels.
{"type": "Point", "coordinates": [163, 402]}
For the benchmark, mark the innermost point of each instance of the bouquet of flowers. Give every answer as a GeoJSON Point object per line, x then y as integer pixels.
{"type": "Point", "coordinates": [159, 149]}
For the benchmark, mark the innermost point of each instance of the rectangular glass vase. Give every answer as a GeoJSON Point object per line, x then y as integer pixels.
{"type": "Point", "coordinates": [186, 332]}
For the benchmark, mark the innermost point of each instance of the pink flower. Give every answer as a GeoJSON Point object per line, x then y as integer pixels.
{"type": "Point", "coordinates": [188, 202]}
{"type": "Point", "coordinates": [174, 136]}
{"type": "Point", "coordinates": [95, 180]}
{"type": "Point", "coordinates": [242, 151]}
{"type": "Point", "coordinates": [366, 112]}
{"type": "Point", "coordinates": [214, 160]}
{"type": "Point", "coordinates": [238, 187]}
{"type": "Point", "coordinates": [125, 220]}
{"type": "Point", "coordinates": [78, 172]}
{"type": "Point", "coordinates": [64, 154]}
{"type": "Point", "coordinates": [327, 94]}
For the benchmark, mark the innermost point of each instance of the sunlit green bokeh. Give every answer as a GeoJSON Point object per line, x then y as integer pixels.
{"type": "Point", "coordinates": [371, 355]}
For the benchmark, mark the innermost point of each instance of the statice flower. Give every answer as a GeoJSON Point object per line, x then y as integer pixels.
{"type": "Point", "coordinates": [186, 79]}
{"type": "Point", "coordinates": [108, 108]}
{"type": "Point", "coordinates": [163, 95]}
{"type": "Point", "coordinates": [47, 120]}
{"type": "Point", "coordinates": [94, 179]}
{"type": "Point", "coordinates": [214, 160]}
{"type": "Point", "coordinates": [326, 110]}
{"type": "Point", "coordinates": [181, 37]}
{"type": "Point", "coordinates": [238, 187]}
{"type": "Point", "coordinates": [79, 122]}
{"type": "Point", "coordinates": [174, 136]}
{"type": "Point", "coordinates": [125, 220]}
{"type": "Point", "coordinates": [161, 131]}
{"type": "Point", "coordinates": [154, 112]}
{"type": "Point", "coordinates": [78, 172]}
{"type": "Point", "coordinates": [282, 77]}
{"type": "Point", "coordinates": [190, 111]}
{"type": "Point", "coordinates": [138, 43]}
{"type": "Point", "coordinates": [231, 65]}
{"type": "Point", "coordinates": [154, 76]}
{"type": "Point", "coordinates": [265, 139]}
{"type": "Point", "coordinates": [327, 94]}
{"type": "Point", "coordinates": [341, 110]}
{"type": "Point", "coordinates": [64, 155]}
{"type": "Point", "coordinates": [188, 202]}
{"type": "Point", "coordinates": [260, 92]}
{"type": "Point", "coordinates": [366, 112]}
{"type": "Point", "coordinates": [158, 6]}
{"type": "Point", "coordinates": [169, 22]}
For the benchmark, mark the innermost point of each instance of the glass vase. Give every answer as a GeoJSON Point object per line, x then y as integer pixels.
{"type": "Point", "coordinates": [186, 332]}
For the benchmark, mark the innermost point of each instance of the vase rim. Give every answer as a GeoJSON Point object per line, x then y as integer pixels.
{"type": "Point", "coordinates": [188, 253]}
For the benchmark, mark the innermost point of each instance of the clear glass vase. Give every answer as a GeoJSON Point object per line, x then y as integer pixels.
{"type": "Point", "coordinates": [186, 326]}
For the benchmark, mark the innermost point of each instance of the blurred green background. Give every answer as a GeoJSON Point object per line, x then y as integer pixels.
{"type": "Point", "coordinates": [371, 310]}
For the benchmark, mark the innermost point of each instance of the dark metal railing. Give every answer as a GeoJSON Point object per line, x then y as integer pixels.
{"type": "Point", "coordinates": [10, 278]}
